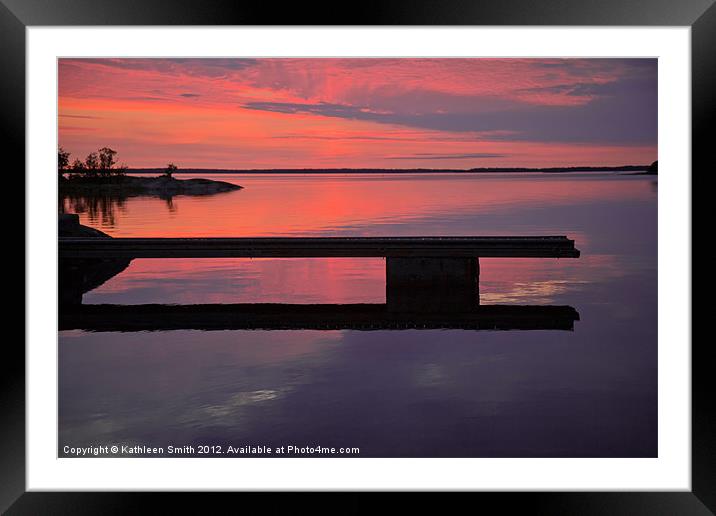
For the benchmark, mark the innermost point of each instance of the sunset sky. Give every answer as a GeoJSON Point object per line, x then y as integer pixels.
{"type": "Point", "coordinates": [360, 113]}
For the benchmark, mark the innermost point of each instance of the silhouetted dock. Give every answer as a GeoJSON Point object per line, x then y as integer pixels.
{"type": "Point", "coordinates": [423, 274]}
{"type": "Point", "coordinates": [315, 317]}
{"type": "Point", "coordinates": [310, 247]}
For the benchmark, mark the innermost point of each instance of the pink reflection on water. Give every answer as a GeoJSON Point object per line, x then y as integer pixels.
{"type": "Point", "coordinates": [597, 211]}
{"type": "Point", "coordinates": [293, 205]}
{"type": "Point", "coordinates": [264, 280]}
{"type": "Point", "coordinates": [334, 280]}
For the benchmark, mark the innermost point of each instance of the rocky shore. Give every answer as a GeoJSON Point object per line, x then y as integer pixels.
{"type": "Point", "coordinates": [78, 276]}
{"type": "Point", "coordinates": [160, 185]}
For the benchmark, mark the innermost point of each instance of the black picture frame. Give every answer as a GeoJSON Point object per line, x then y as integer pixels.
{"type": "Point", "coordinates": [700, 15]}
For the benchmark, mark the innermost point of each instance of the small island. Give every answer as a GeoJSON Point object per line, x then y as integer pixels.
{"type": "Point", "coordinates": [98, 173]}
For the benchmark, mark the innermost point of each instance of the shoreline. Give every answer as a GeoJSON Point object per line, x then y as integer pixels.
{"type": "Point", "coordinates": [157, 185]}
{"type": "Point", "coordinates": [551, 170]}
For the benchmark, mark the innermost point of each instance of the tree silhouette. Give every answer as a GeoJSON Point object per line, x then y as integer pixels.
{"type": "Point", "coordinates": [78, 166]}
{"type": "Point", "coordinates": [91, 164]}
{"type": "Point", "coordinates": [63, 161]}
{"type": "Point", "coordinates": [100, 164]}
{"type": "Point", "coordinates": [171, 168]}
{"type": "Point", "coordinates": [120, 170]}
{"type": "Point", "coordinates": [106, 160]}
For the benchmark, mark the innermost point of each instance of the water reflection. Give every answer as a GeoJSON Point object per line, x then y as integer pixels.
{"type": "Point", "coordinates": [98, 209]}
{"type": "Point", "coordinates": [591, 392]}
{"type": "Point", "coordinates": [373, 205]}
{"type": "Point", "coordinates": [103, 209]}
{"type": "Point", "coordinates": [262, 316]}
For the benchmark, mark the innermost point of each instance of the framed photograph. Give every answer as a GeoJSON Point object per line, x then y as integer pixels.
{"type": "Point", "coordinates": [421, 248]}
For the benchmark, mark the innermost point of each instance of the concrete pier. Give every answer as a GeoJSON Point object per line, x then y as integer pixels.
{"type": "Point", "coordinates": [364, 317]}
{"type": "Point", "coordinates": [81, 274]}
{"type": "Point", "coordinates": [432, 284]}
{"type": "Point", "coordinates": [423, 274]}
{"type": "Point", "coordinates": [321, 247]}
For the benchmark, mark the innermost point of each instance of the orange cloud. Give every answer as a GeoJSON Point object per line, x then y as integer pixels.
{"type": "Point", "coordinates": [385, 113]}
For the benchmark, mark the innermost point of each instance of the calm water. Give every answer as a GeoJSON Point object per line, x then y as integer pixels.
{"type": "Point", "coordinates": [590, 392]}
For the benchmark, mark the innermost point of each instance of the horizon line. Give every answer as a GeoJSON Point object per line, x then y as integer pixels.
{"type": "Point", "coordinates": [473, 169]}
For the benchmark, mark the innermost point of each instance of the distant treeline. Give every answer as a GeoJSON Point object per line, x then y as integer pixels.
{"type": "Point", "coordinates": [624, 168]}
{"type": "Point", "coordinates": [98, 165]}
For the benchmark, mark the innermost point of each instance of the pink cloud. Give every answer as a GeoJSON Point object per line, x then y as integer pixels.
{"type": "Point", "coordinates": [272, 113]}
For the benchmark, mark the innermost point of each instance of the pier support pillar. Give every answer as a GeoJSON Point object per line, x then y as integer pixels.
{"type": "Point", "coordinates": [432, 284]}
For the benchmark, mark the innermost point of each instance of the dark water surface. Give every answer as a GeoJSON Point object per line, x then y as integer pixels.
{"type": "Point", "coordinates": [587, 392]}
